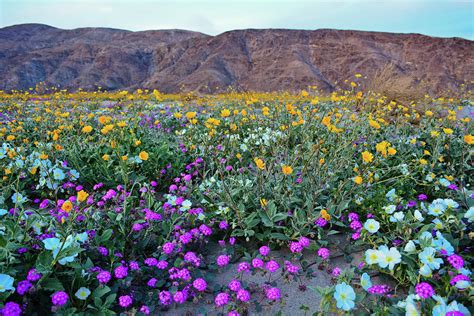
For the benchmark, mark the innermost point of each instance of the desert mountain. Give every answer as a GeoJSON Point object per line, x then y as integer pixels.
{"type": "Point", "coordinates": [263, 60]}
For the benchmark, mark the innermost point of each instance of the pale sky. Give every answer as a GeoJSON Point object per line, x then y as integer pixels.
{"type": "Point", "coordinates": [444, 18]}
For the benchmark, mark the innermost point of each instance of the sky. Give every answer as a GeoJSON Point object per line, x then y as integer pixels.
{"type": "Point", "coordinates": [443, 18]}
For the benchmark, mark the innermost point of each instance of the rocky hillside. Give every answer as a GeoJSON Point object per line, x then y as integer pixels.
{"type": "Point", "coordinates": [264, 60]}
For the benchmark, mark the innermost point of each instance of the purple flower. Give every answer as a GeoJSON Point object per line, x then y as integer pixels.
{"type": "Point", "coordinates": [353, 217]}
{"type": "Point", "coordinates": [134, 265]}
{"type": "Point", "coordinates": [355, 236]}
{"type": "Point", "coordinates": [336, 271]}
{"type": "Point", "coordinates": [23, 287]}
{"type": "Point", "coordinates": [243, 295]}
{"type": "Point", "coordinates": [145, 310]}
{"type": "Point", "coordinates": [291, 268]}
{"type": "Point", "coordinates": [296, 247]}
{"type": "Point", "coordinates": [168, 248]}
{"type": "Point", "coordinates": [104, 277]}
{"type": "Point", "coordinates": [165, 298]}
{"type": "Point", "coordinates": [223, 260]}
{"type": "Point", "coordinates": [379, 289]}
{"type": "Point", "coordinates": [355, 225]}
{"type": "Point", "coordinates": [223, 225]}
{"type": "Point", "coordinates": [272, 266]}
{"type": "Point", "coordinates": [152, 282]}
{"type": "Point", "coordinates": [264, 250]}
{"type": "Point", "coordinates": [180, 297]}
{"type": "Point", "coordinates": [424, 290]}
{"type": "Point", "coordinates": [457, 278]}
{"type": "Point", "coordinates": [205, 230]}
{"type": "Point", "coordinates": [33, 275]}
{"type": "Point", "coordinates": [411, 203]}
{"type": "Point", "coordinates": [422, 197]}
{"type": "Point", "coordinates": [200, 284]}
{"type": "Point", "coordinates": [234, 285]}
{"type": "Point", "coordinates": [221, 299]}
{"type": "Point", "coordinates": [321, 222]}
{"type": "Point", "coordinates": [121, 272]}
{"type": "Point", "coordinates": [11, 309]}
{"type": "Point", "coordinates": [453, 187]}
{"type": "Point", "coordinates": [456, 261]}
{"type": "Point", "coordinates": [103, 251]}
{"type": "Point", "coordinates": [125, 301]}
{"type": "Point", "coordinates": [151, 262]}
{"type": "Point", "coordinates": [257, 263]}
{"type": "Point", "coordinates": [323, 253]}
{"type": "Point", "coordinates": [243, 267]}
{"type": "Point", "coordinates": [137, 227]}
{"type": "Point", "coordinates": [59, 298]}
{"type": "Point", "coordinates": [162, 264]}
{"type": "Point", "coordinates": [273, 294]}
{"type": "Point", "coordinates": [305, 242]}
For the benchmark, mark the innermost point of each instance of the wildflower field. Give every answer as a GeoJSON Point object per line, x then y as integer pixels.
{"type": "Point", "coordinates": [137, 203]}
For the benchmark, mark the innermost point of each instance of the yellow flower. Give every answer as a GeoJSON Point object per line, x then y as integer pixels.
{"type": "Point", "coordinates": [143, 155]}
{"type": "Point", "coordinates": [358, 180]}
{"type": "Point", "coordinates": [106, 157]}
{"type": "Point", "coordinates": [358, 75]}
{"type": "Point", "coordinates": [260, 164]}
{"type": "Point", "coordinates": [382, 147]}
{"type": "Point", "coordinates": [190, 115]}
{"type": "Point", "coordinates": [429, 113]}
{"type": "Point", "coordinates": [263, 202]}
{"type": "Point", "coordinates": [87, 129]}
{"type": "Point", "coordinates": [238, 156]}
{"type": "Point", "coordinates": [324, 214]}
{"type": "Point", "coordinates": [67, 206]}
{"type": "Point", "coordinates": [367, 157]}
{"type": "Point", "coordinates": [392, 151]}
{"type": "Point", "coordinates": [82, 195]}
{"type": "Point", "coordinates": [469, 139]}
{"type": "Point", "coordinates": [447, 131]}
{"type": "Point", "coordinates": [423, 161]}
{"type": "Point", "coordinates": [287, 170]}
{"type": "Point", "coordinates": [178, 115]}
{"type": "Point", "coordinates": [434, 134]}
{"type": "Point", "coordinates": [225, 113]}
{"type": "Point", "coordinates": [138, 142]}
{"type": "Point", "coordinates": [374, 124]}
{"type": "Point", "coordinates": [43, 156]}
{"type": "Point", "coordinates": [10, 137]}
{"type": "Point", "coordinates": [321, 161]}
{"type": "Point", "coordinates": [124, 158]}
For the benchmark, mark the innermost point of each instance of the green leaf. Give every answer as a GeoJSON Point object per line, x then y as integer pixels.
{"type": "Point", "coordinates": [101, 291]}
{"type": "Point", "coordinates": [52, 284]}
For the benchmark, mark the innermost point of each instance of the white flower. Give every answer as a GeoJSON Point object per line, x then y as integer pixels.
{"type": "Point", "coordinates": [390, 209]}
{"type": "Point", "coordinates": [425, 271]}
{"type": "Point", "coordinates": [397, 217]}
{"type": "Point", "coordinates": [390, 257]}
{"type": "Point", "coordinates": [372, 226]}
{"type": "Point", "coordinates": [451, 203]}
{"type": "Point", "coordinates": [391, 195]}
{"type": "Point", "coordinates": [410, 246]}
{"type": "Point", "coordinates": [83, 293]}
{"type": "Point", "coordinates": [372, 256]}
{"type": "Point", "coordinates": [418, 216]}
{"type": "Point", "coordinates": [470, 214]}
{"type": "Point", "coordinates": [444, 182]}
